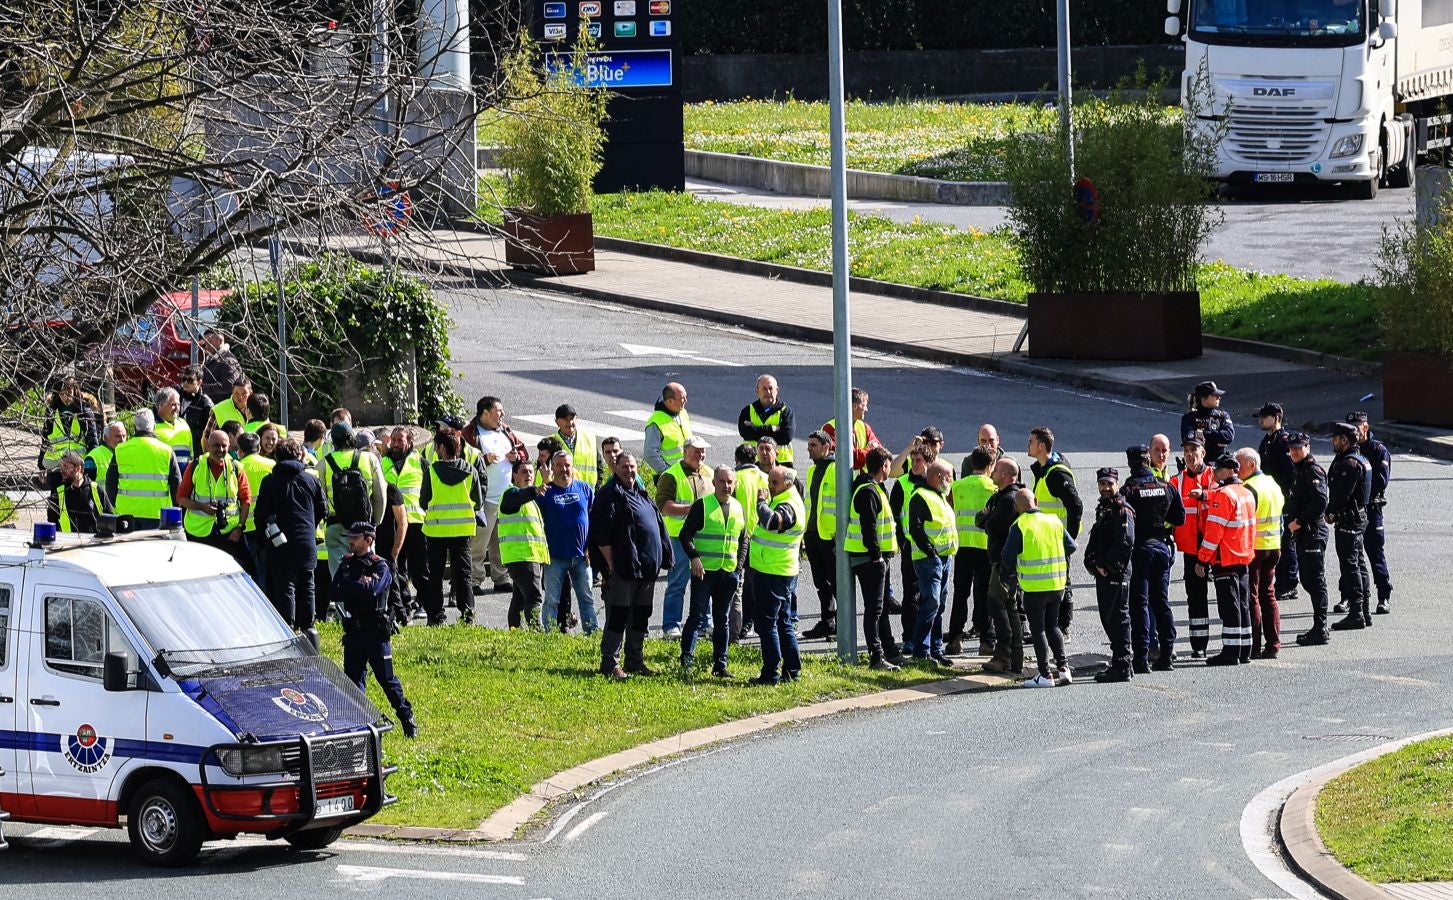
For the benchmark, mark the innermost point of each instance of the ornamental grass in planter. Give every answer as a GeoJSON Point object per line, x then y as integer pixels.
{"type": "Point", "coordinates": [552, 140]}
{"type": "Point", "coordinates": [1114, 274]}
{"type": "Point", "coordinates": [1414, 295]}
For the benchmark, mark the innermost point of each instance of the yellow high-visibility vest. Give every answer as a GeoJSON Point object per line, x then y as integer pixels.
{"type": "Point", "coordinates": [970, 493]}
{"type": "Point", "coordinates": [721, 532]}
{"type": "Point", "coordinates": [774, 552]}
{"type": "Point", "coordinates": [1042, 565]}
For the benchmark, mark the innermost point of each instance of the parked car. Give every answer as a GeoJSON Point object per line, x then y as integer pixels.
{"type": "Point", "coordinates": [150, 351]}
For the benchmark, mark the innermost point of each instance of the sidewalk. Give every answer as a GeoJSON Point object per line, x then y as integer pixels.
{"type": "Point", "coordinates": [939, 327]}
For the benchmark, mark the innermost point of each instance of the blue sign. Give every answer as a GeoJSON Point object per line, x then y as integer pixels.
{"type": "Point", "coordinates": [620, 68]}
{"type": "Point", "coordinates": [555, 10]}
{"type": "Point", "coordinates": [660, 28]}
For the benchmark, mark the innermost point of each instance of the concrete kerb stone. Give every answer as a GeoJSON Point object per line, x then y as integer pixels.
{"type": "Point", "coordinates": [803, 180]}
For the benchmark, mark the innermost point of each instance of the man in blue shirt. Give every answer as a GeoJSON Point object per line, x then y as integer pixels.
{"type": "Point", "coordinates": [565, 503]}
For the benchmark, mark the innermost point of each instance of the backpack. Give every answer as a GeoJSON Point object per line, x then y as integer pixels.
{"type": "Point", "coordinates": [352, 493]}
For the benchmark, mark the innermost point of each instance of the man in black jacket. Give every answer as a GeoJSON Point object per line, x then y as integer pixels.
{"type": "Point", "coordinates": [196, 405]}
{"type": "Point", "coordinates": [768, 416]}
{"type": "Point", "coordinates": [1306, 505]}
{"type": "Point", "coordinates": [361, 589]}
{"type": "Point", "coordinates": [1276, 461]}
{"type": "Point", "coordinates": [72, 501]}
{"type": "Point", "coordinates": [1005, 607]}
{"type": "Point", "coordinates": [1374, 541]}
{"type": "Point", "coordinates": [872, 527]}
{"type": "Point", "coordinates": [292, 499]}
{"type": "Point", "coordinates": [1157, 511]}
{"type": "Point", "coordinates": [628, 530]}
{"type": "Point", "coordinates": [1108, 558]}
{"type": "Point", "coordinates": [1349, 488]}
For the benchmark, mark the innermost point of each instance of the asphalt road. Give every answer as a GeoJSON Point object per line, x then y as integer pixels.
{"type": "Point", "coordinates": [1088, 791]}
{"type": "Point", "coordinates": [1311, 233]}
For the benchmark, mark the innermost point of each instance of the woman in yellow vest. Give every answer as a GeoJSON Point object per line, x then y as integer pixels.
{"type": "Point", "coordinates": [780, 521]}
{"type": "Point", "coordinates": [522, 545]}
{"type": "Point", "coordinates": [451, 497]}
{"type": "Point", "coordinates": [712, 537]}
{"type": "Point", "coordinates": [71, 420]}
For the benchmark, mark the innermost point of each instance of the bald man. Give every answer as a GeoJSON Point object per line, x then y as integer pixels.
{"type": "Point", "coordinates": [1037, 553]}
{"type": "Point", "coordinates": [667, 430]}
{"type": "Point", "coordinates": [768, 416]}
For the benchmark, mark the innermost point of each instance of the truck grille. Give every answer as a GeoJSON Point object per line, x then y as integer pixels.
{"type": "Point", "coordinates": [1275, 134]}
{"type": "Point", "coordinates": [346, 756]}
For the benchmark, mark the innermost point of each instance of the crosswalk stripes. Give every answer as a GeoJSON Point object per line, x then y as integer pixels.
{"type": "Point", "coordinates": [601, 428]}
{"type": "Point", "coordinates": [598, 430]}
{"type": "Point", "coordinates": [697, 426]}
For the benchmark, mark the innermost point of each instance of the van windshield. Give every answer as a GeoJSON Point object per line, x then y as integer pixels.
{"type": "Point", "coordinates": [222, 618]}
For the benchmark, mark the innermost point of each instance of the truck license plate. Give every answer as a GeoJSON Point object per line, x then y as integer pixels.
{"type": "Point", "coordinates": [1273, 178]}
{"type": "Point", "coordinates": [335, 806]}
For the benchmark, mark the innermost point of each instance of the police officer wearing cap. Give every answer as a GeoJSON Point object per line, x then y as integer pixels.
{"type": "Point", "coordinates": [1157, 511]}
{"type": "Point", "coordinates": [1349, 488]}
{"type": "Point", "coordinates": [1108, 557]}
{"type": "Point", "coordinates": [1305, 510]}
{"type": "Point", "coordinates": [1375, 540]}
{"type": "Point", "coordinates": [361, 590]}
{"type": "Point", "coordinates": [1207, 417]}
{"type": "Point", "coordinates": [1276, 461]}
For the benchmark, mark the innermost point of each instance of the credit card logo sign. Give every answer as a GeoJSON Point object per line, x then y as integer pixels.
{"type": "Point", "coordinates": [555, 32]}
{"type": "Point", "coordinates": [625, 7]}
{"type": "Point", "coordinates": [625, 29]}
{"type": "Point", "coordinates": [590, 9]}
{"type": "Point", "coordinates": [660, 7]}
{"type": "Point", "coordinates": [660, 28]}
{"type": "Point", "coordinates": [593, 28]}
{"type": "Point", "coordinates": [554, 10]}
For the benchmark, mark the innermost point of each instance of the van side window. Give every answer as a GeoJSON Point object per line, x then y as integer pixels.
{"type": "Point", "coordinates": [4, 623]}
{"type": "Point", "coordinates": [78, 633]}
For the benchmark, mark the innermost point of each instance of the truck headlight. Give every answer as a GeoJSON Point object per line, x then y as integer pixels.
{"type": "Point", "coordinates": [251, 760]}
{"type": "Point", "coordinates": [1351, 145]}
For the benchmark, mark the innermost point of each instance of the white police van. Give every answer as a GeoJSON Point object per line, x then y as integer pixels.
{"type": "Point", "coordinates": [145, 679]}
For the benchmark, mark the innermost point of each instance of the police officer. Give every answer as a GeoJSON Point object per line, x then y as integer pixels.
{"type": "Point", "coordinates": [1157, 511]}
{"type": "Point", "coordinates": [1306, 506]}
{"type": "Point", "coordinates": [1375, 540]}
{"type": "Point", "coordinates": [1276, 461]}
{"type": "Point", "coordinates": [361, 590]}
{"type": "Point", "coordinates": [1108, 558]}
{"type": "Point", "coordinates": [1349, 488]}
{"type": "Point", "coordinates": [1207, 417]}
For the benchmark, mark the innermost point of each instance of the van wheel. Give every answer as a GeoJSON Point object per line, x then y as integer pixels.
{"type": "Point", "coordinates": [316, 839]}
{"type": "Point", "coordinates": [165, 824]}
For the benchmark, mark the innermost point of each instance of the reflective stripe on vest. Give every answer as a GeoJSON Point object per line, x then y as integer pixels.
{"type": "Point", "coordinates": [940, 525]}
{"type": "Point", "coordinates": [1047, 501]}
{"type": "Point", "coordinates": [451, 508]}
{"type": "Point", "coordinates": [774, 552]}
{"type": "Point", "coordinates": [409, 479]}
{"type": "Point", "coordinates": [256, 467]}
{"type": "Point", "coordinates": [1269, 504]}
{"type": "Point", "coordinates": [853, 540]}
{"type": "Point", "coordinates": [970, 493]}
{"type": "Point", "coordinates": [784, 451]}
{"type": "Point", "coordinates": [522, 535]}
{"type": "Point", "coordinates": [206, 489]}
{"type": "Point", "coordinates": [721, 531]}
{"type": "Point", "coordinates": [675, 431]}
{"type": "Point", "coordinates": [684, 494]}
{"type": "Point", "coordinates": [1042, 565]}
{"type": "Point", "coordinates": [176, 434]}
{"type": "Point", "coordinates": [825, 509]}
{"type": "Point", "coordinates": [143, 465]}
{"type": "Point", "coordinates": [583, 456]}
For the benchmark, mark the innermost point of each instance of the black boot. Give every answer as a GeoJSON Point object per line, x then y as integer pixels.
{"type": "Point", "coordinates": [635, 654]}
{"type": "Point", "coordinates": [610, 648]}
{"type": "Point", "coordinates": [1314, 638]}
{"type": "Point", "coordinates": [1355, 620]}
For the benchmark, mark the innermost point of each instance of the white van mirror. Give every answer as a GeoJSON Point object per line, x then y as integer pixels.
{"type": "Point", "coordinates": [116, 671]}
{"type": "Point", "coordinates": [1387, 30]}
{"type": "Point", "coordinates": [1173, 26]}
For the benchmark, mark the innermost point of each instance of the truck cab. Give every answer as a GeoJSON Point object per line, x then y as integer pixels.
{"type": "Point", "coordinates": [145, 681]}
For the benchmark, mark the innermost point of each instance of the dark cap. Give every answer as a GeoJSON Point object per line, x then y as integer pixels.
{"type": "Point", "coordinates": [1298, 439]}
{"type": "Point", "coordinates": [1270, 409]}
{"type": "Point", "coordinates": [361, 529]}
{"type": "Point", "coordinates": [1107, 474]}
{"type": "Point", "coordinates": [342, 434]}
{"type": "Point", "coordinates": [1357, 418]}
{"type": "Point", "coordinates": [565, 411]}
{"type": "Point", "coordinates": [1342, 429]}
{"type": "Point", "coordinates": [363, 439]}
{"type": "Point", "coordinates": [1207, 389]}
{"type": "Point", "coordinates": [931, 433]}
{"type": "Point", "coordinates": [1196, 437]}
{"type": "Point", "coordinates": [1137, 454]}
{"type": "Point", "coordinates": [1227, 461]}
{"type": "Point", "coordinates": [455, 422]}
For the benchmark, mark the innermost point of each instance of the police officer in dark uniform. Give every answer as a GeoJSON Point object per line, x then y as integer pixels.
{"type": "Point", "coordinates": [1276, 461]}
{"type": "Point", "coordinates": [1207, 417]}
{"type": "Point", "coordinates": [1349, 488]}
{"type": "Point", "coordinates": [1305, 510]}
{"type": "Point", "coordinates": [1157, 511]}
{"type": "Point", "coordinates": [1375, 540]}
{"type": "Point", "coordinates": [1107, 556]}
{"type": "Point", "coordinates": [361, 590]}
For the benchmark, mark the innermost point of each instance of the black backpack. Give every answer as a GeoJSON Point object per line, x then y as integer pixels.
{"type": "Point", "coordinates": [352, 495]}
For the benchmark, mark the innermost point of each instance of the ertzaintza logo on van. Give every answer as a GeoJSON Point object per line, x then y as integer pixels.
{"type": "Point", "coordinates": [86, 751]}
{"type": "Point", "coordinates": [300, 705]}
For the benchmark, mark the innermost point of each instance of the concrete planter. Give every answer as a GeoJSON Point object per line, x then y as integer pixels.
{"type": "Point", "coordinates": [1149, 327]}
{"type": "Point", "coordinates": [1418, 388]}
{"type": "Point", "coordinates": [550, 245]}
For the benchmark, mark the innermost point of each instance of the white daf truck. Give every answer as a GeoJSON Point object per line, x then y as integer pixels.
{"type": "Point", "coordinates": [1319, 91]}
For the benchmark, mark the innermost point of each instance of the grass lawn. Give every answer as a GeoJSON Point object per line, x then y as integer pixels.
{"type": "Point", "coordinates": [1391, 819]}
{"type": "Point", "coordinates": [499, 711]}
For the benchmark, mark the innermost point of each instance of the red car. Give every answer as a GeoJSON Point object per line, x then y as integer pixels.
{"type": "Point", "coordinates": [150, 352]}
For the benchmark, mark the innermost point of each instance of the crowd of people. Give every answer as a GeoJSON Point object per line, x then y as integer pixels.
{"type": "Point", "coordinates": [403, 531]}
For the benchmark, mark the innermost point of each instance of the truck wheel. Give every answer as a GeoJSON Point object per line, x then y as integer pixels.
{"type": "Point", "coordinates": [316, 839]}
{"type": "Point", "coordinates": [1406, 174]}
{"type": "Point", "coordinates": [165, 824]}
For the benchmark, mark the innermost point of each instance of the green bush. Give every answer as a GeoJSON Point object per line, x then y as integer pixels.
{"type": "Point", "coordinates": [1413, 293]}
{"type": "Point", "coordinates": [1152, 176]}
{"type": "Point", "coordinates": [345, 317]}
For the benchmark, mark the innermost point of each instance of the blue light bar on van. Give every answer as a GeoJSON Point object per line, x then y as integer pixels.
{"type": "Point", "coordinates": [171, 518]}
{"type": "Point", "coordinates": [43, 533]}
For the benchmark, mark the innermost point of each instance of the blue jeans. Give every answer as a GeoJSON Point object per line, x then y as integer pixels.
{"type": "Point", "coordinates": [674, 603]}
{"type": "Point", "coordinates": [932, 572]}
{"type": "Point", "coordinates": [578, 569]}
{"type": "Point", "coordinates": [774, 624]}
{"type": "Point", "coordinates": [711, 601]}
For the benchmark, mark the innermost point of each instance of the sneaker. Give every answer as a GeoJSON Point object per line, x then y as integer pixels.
{"type": "Point", "coordinates": [943, 661]}
{"type": "Point", "coordinates": [1063, 677]}
{"type": "Point", "coordinates": [1039, 681]}
{"type": "Point", "coordinates": [1113, 676]}
{"type": "Point", "coordinates": [761, 681]}
{"type": "Point", "coordinates": [1382, 607]}
{"type": "Point", "coordinates": [672, 634]}
{"type": "Point", "coordinates": [1287, 597]}
{"type": "Point", "coordinates": [954, 647]}
{"type": "Point", "coordinates": [882, 665]}
{"type": "Point", "coordinates": [1314, 638]}
{"type": "Point", "coordinates": [420, 613]}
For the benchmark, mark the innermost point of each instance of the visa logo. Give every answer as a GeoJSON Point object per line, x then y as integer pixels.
{"type": "Point", "coordinates": [554, 10]}
{"type": "Point", "coordinates": [555, 32]}
{"type": "Point", "coordinates": [660, 28]}
{"type": "Point", "coordinates": [625, 29]}
{"type": "Point", "coordinates": [660, 7]}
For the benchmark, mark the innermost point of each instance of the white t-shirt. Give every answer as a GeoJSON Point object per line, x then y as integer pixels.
{"type": "Point", "coordinates": [499, 474]}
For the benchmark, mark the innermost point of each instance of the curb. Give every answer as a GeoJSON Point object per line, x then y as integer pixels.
{"type": "Point", "coordinates": [505, 822]}
{"type": "Point", "coordinates": [804, 180]}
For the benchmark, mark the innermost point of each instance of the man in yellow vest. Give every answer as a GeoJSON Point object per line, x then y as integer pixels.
{"type": "Point", "coordinates": [144, 476]}
{"type": "Point", "coordinates": [451, 497]}
{"type": "Point", "coordinates": [933, 538]}
{"type": "Point", "coordinates": [768, 416]}
{"type": "Point", "coordinates": [233, 408]}
{"type": "Point", "coordinates": [404, 470]}
{"type": "Point", "coordinates": [256, 467]}
{"type": "Point", "coordinates": [217, 498]}
{"type": "Point", "coordinates": [171, 428]}
{"type": "Point", "coordinates": [677, 487]}
{"type": "Point", "coordinates": [778, 524]}
{"type": "Point", "coordinates": [70, 423]}
{"type": "Point", "coordinates": [585, 455]}
{"type": "Point", "coordinates": [667, 430]}
{"type": "Point", "coordinates": [1055, 492]}
{"type": "Point", "coordinates": [1036, 554]}
{"type": "Point", "coordinates": [750, 480]}
{"type": "Point", "coordinates": [345, 503]}
{"type": "Point", "coordinates": [870, 543]}
{"type": "Point", "coordinates": [989, 440]}
{"type": "Point", "coordinates": [863, 437]}
{"type": "Point", "coordinates": [821, 500]}
{"type": "Point", "coordinates": [259, 411]}
{"type": "Point", "coordinates": [98, 462]}
{"type": "Point", "coordinates": [72, 501]}
{"type": "Point", "coordinates": [713, 535]}
{"type": "Point", "coordinates": [1270, 502]}
{"type": "Point", "coordinates": [971, 564]}
{"type": "Point", "coordinates": [523, 548]}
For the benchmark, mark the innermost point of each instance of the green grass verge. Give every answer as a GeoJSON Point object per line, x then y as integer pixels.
{"type": "Point", "coordinates": [500, 711]}
{"type": "Point", "coordinates": [1391, 819]}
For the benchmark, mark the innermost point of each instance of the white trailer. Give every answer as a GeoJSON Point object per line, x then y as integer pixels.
{"type": "Point", "coordinates": [1319, 91]}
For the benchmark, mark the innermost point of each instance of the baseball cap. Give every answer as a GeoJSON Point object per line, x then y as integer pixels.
{"type": "Point", "coordinates": [1227, 461]}
{"type": "Point", "coordinates": [1207, 389]}
{"type": "Point", "coordinates": [565, 411]}
{"type": "Point", "coordinates": [1298, 439]}
{"type": "Point", "coordinates": [363, 439]}
{"type": "Point", "coordinates": [1195, 437]}
{"type": "Point", "coordinates": [931, 433]}
{"type": "Point", "coordinates": [361, 529]}
{"type": "Point", "coordinates": [1344, 430]}
{"type": "Point", "coordinates": [342, 434]}
{"type": "Point", "coordinates": [1270, 409]}
{"type": "Point", "coordinates": [1108, 473]}
{"type": "Point", "coordinates": [455, 422]}
{"type": "Point", "coordinates": [1137, 454]}
{"type": "Point", "coordinates": [1357, 418]}
{"type": "Point", "coordinates": [694, 441]}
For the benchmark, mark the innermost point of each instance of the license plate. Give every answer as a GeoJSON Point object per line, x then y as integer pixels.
{"type": "Point", "coordinates": [1273, 178]}
{"type": "Point", "coordinates": [335, 806]}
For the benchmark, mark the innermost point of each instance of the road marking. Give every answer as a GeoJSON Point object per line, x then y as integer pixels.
{"type": "Point", "coordinates": [641, 415]}
{"type": "Point", "coordinates": [646, 350]}
{"type": "Point", "coordinates": [419, 849]}
{"type": "Point", "coordinates": [590, 820]}
{"type": "Point", "coordinates": [598, 430]}
{"type": "Point", "coordinates": [367, 874]}
{"type": "Point", "coordinates": [52, 833]}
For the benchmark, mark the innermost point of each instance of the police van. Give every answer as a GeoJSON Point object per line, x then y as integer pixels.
{"type": "Point", "coordinates": [146, 682]}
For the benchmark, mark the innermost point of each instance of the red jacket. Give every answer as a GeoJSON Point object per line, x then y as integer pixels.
{"type": "Point", "coordinates": [1188, 535]}
{"type": "Point", "coordinates": [1228, 526]}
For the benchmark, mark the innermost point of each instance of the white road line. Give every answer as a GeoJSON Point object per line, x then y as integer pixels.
{"type": "Point", "coordinates": [590, 820]}
{"type": "Point", "coordinates": [404, 849]}
{"type": "Point", "coordinates": [366, 874]}
{"type": "Point", "coordinates": [597, 430]}
{"type": "Point", "coordinates": [641, 415]}
{"type": "Point", "coordinates": [51, 833]}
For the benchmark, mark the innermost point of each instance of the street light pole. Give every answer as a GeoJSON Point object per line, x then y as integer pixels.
{"type": "Point", "coordinates": [275, 258]}
{"type": "Point", "coordinates": [842, 361]}
{"type": "Point", "coordinates": [1066, 113]}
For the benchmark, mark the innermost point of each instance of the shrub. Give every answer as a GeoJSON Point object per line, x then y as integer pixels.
{"type": "Point", "coordinates": [1413, 293]}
